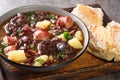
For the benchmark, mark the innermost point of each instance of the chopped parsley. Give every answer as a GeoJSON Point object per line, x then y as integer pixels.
{"type": "Point", "coordinates": [39, 60]}
{"type": "Point", "coordinates": [30, 16]}
{"type": "Point", "coordinates": [2, 46]}
{"type": "Point", "coordinates": [32, 19]}
{"type": "Point", "coordinates": [61, 55]}
{"type": "Point", "coordinates": [19, 32]}
{"type": "Point", "coordinates": [1, 50]}
{"type": "Point", "coordinates": [32, 46]}
{"type": "Point", "coordinates": [30, 13]}
{"type": "Point", "coordinates": [67, 35]}
{"type": "Point", "coordinates": [52, 16]}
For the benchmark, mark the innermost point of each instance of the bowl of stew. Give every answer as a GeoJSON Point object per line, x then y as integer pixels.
{"type": "Point", "coordinates": [41, 38]}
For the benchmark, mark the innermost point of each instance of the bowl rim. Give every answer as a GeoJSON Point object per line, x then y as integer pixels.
{"type": "Point", "coordinates": [52, 7]}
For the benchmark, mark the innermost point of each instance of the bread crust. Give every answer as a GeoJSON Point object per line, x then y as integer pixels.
{"type": "Point", "coordinates": [89, 15]}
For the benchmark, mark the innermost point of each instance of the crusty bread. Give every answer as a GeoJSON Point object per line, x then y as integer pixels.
{"type": "Point", "coordinates": [104, 41]}
{"type": "Point", "coordinates": [114, 31]}
{"type": "Point", "coordinates": [100, 44]}
{"type": "Point", "coordinates": [89, 15]}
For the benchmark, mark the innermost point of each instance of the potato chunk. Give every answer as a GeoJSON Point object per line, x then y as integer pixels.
{"type": "Point", "coordinates": [75, 43]}
{"type": "Point", "coordinates": [50, 58]}
{"type": "Point", "coordinates": [44, 57]}
{"type": "Point", "coordinates": [43, 24]}
{"type": "Point", "coordinates": [79, 35]}
{"type": "Point", "coordinates": [17, 56]}
{"type": "Point", "coordinates": [40, 60]}
{"type": "Point", "coordinates": [62, 37]}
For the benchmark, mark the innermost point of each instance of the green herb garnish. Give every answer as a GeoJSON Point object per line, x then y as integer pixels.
{"type": "Point", "coordinates": [2, 46]}
{"type": "Point", "coordinates": [61, 55]}
{"type": "Point", "coordinates": [67, 35]}
{"type": "Point", "coordinates": [1, 50]}
{"type": "Point", "coordinates": [39, 60]}
{"type": "Point", "coordinates": [30, 13]}
{"type": "Point", "coordinates": [32, 19]}
{"type": "Point", "coordinates": [19, 32]}
{"type": "Point", "coordinates": [30, 16]}
{"type": "Point", "coordinates": [32, 47]}
{"type": "Point", "coordinates": [52, 16]}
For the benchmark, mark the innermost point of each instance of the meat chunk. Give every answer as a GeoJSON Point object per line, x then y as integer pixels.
{"type": "Point", "coordinates": [10, 40]}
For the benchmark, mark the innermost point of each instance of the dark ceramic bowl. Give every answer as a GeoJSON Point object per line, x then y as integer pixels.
{"type": "Point", "coordinates": [53, 10]}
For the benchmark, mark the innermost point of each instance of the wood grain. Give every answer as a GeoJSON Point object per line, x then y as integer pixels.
{"type": "Point", "coordinates": [79, 66]}
{"type": "Point", "coordinates": [85, 66]}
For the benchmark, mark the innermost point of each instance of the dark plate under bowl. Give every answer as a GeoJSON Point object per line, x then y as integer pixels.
{"type": "Point", "coordinates": [55, 10]}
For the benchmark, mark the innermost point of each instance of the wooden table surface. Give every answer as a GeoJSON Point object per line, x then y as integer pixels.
{"type": "Point", "coordinates": [113, 13]}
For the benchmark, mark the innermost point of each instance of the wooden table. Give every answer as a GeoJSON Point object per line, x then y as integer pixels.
{"type": "Point", "coordinates": [113, 14]}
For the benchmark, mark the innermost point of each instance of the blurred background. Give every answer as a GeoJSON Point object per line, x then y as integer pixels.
{"type": "Point", "coordinates": [6, 5]}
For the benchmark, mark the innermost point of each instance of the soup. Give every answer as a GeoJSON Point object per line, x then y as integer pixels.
{"type": "Point", "coordinates": [38, 38]}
